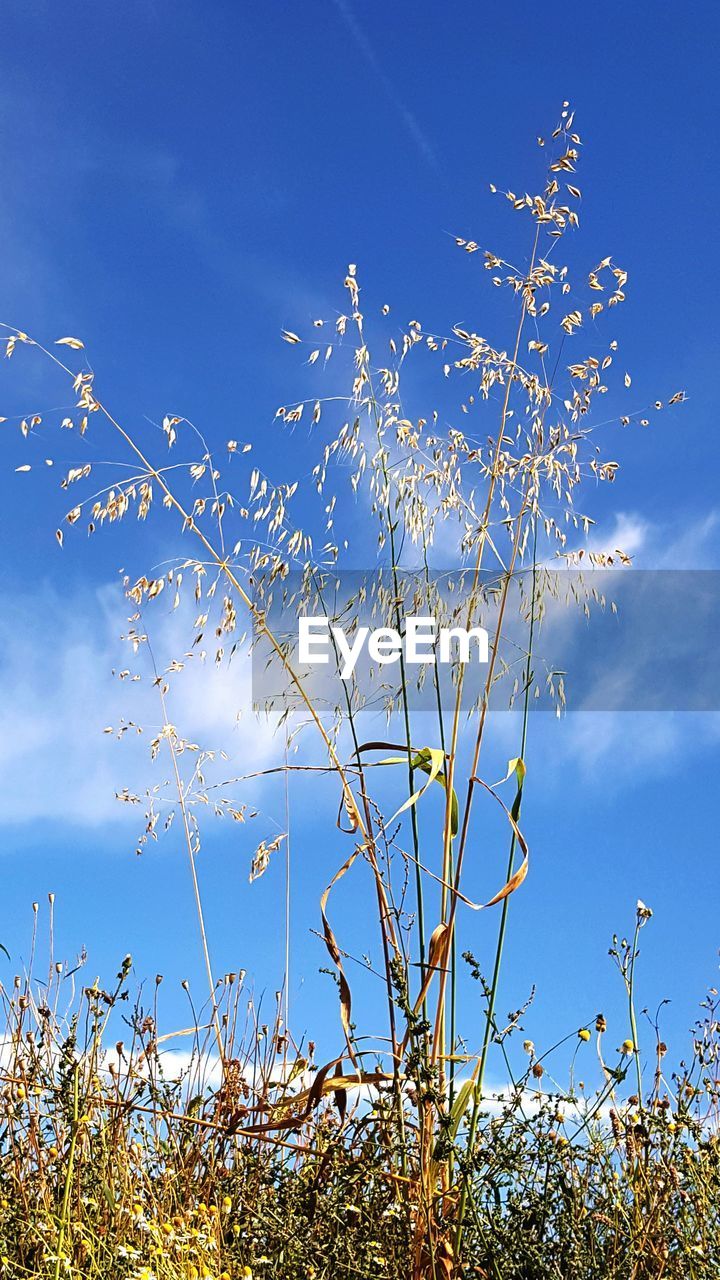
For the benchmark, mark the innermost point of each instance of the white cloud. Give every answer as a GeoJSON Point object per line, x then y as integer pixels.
{"type": "Point", "coordinates": [686, 543]}
{"type": "Point", "coordinates": [629, 534]}
{"type": "Point", "coordinates": [56, 662]}
{"type": "Point", "coordinates": [614, 745]}
{"type": "Point", "coordinates": [57, 656]}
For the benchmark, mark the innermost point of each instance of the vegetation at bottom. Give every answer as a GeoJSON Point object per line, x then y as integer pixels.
{"type": "Point", "coordinates": [269, 1167]}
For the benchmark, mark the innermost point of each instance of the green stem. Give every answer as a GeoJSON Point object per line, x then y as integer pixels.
{"type": "Point", "coordinates": [490, 1012]}
{"type": "Point", "coordinates": [631, 1010]}
{"type": "Point", "coordinates": [68, 1177]}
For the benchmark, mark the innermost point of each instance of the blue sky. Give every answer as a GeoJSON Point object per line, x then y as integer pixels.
{"type": "Point", "coordinates": [179, 184]}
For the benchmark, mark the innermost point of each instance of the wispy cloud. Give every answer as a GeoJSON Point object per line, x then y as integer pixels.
{"type": "Point", "coordinates": [410, 121]}
{"type": "Point", "coordinates": [686, 543]}
{"type": "Point", "coordinates": [57, 658]}
{"type": "Point", "coordinates": [613, 746]}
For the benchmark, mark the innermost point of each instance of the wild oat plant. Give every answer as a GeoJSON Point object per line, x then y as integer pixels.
{"type": "Point", "coordinates": [391, 1158]}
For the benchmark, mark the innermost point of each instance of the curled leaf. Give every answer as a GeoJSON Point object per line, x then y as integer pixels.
{"type": "Point", "coordinates": [334, 952]}
{"type": "Point", "coordinates": [430, 760]}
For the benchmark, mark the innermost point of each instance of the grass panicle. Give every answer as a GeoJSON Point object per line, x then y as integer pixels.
{"type": "Point", "coordinates": [391, 1156]}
